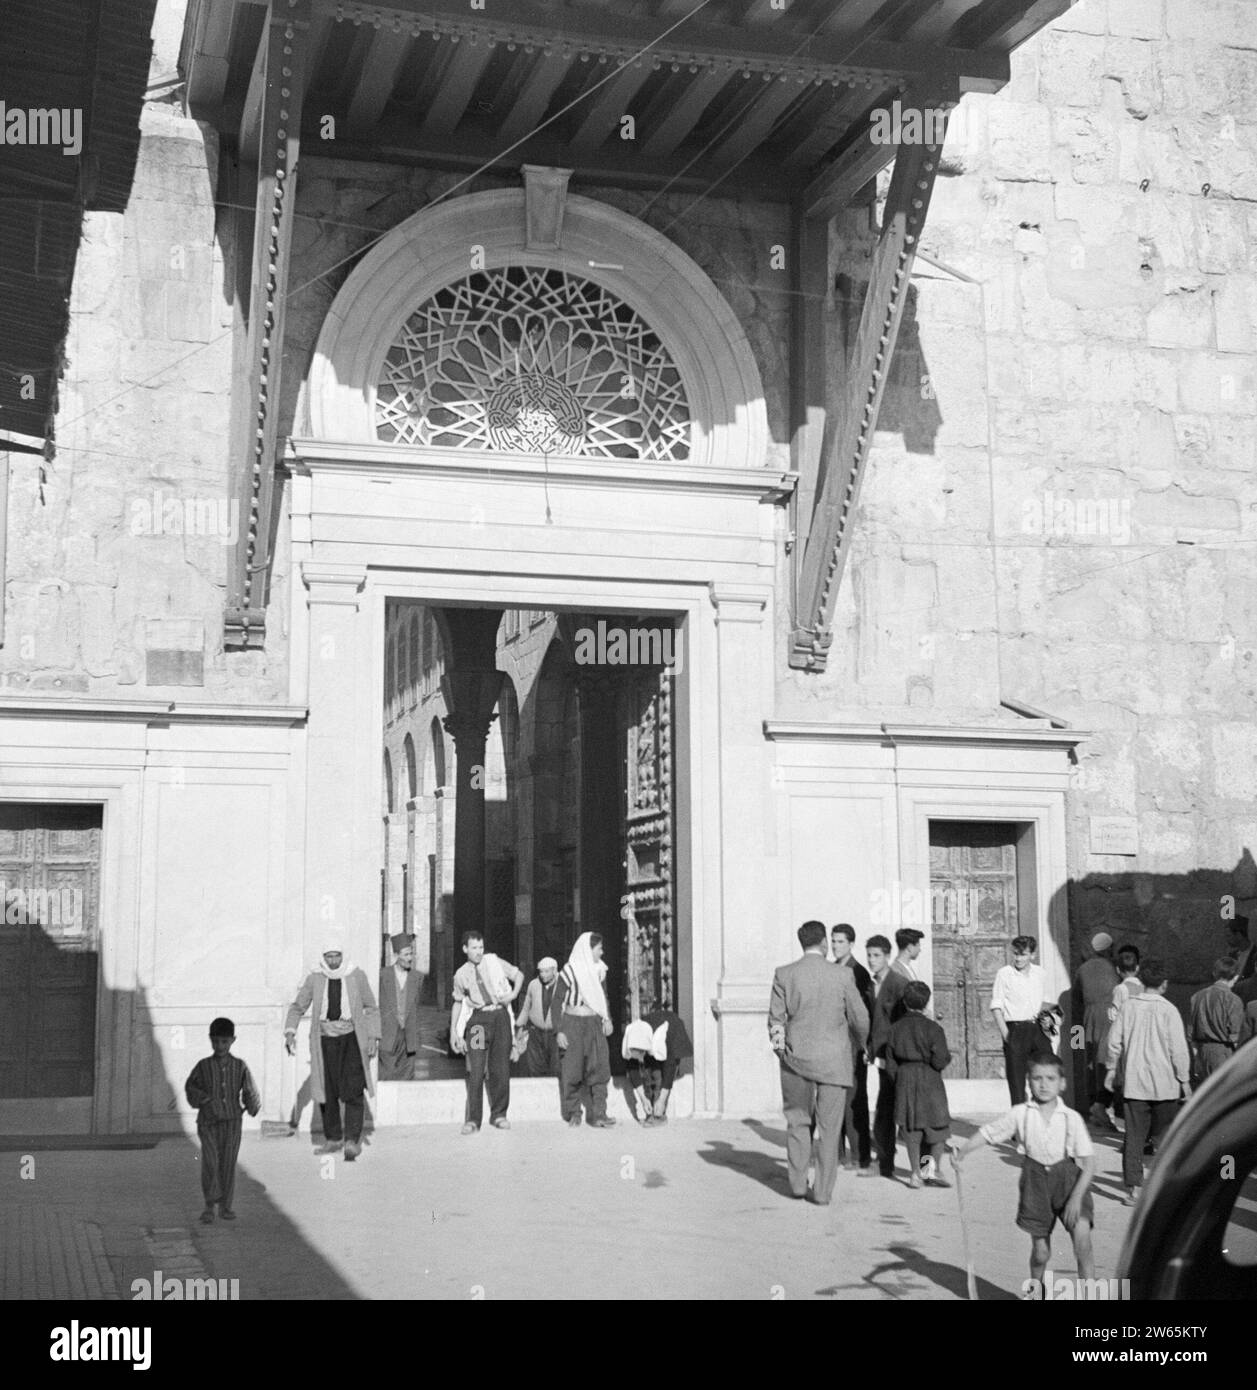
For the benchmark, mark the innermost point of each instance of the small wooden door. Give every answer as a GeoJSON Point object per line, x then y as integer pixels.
{"type": "Point", "coordinates": [49, 949]}
{"type": "Point", "coordinates": [973, 896]}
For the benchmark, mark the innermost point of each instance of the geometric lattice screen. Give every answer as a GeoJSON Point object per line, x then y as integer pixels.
{"type": "Point", "coordinates": [528, 360]}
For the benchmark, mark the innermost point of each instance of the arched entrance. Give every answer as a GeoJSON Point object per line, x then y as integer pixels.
{"type": "Point", "coordinates": [567, 458]}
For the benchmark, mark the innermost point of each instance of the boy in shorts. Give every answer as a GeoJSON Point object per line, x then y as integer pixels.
{"type": "Point", "coordinates": [1057, 1170]}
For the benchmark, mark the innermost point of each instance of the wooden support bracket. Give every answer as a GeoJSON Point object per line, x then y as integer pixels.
{"type": "Point", "coordinates": [829, 535]}
{"type": "Point", "coordinates": [273, 149]}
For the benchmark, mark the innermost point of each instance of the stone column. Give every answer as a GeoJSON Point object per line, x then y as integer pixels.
{"type": "Point", "coordinates": [470, 686]}
{"type": "Point", "coordinates": [601, 796]}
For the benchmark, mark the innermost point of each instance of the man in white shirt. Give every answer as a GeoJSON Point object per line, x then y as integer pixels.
{"type": "Point", "coordinates": [1016, 998]}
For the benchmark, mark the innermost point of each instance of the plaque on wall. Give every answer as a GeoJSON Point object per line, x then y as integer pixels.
{"type": "Point", "coordinates": [1114, 835]}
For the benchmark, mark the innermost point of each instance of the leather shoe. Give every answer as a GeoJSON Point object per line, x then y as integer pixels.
{"type": "Point", "coordinates": [574, 1122]}
{"type": "Point", "coordinates": [501, 1122]}
{"type": "Point", "coordinates": [606, 1122]}
{"type": "Point", "coordinates": [352, 1151]}
{"type": "Point", "coordinates": [469, 1128]}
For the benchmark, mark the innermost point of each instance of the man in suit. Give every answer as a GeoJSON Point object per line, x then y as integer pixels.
{"type": "Point", "coordinates": [400, 987]}
{"type": "Point", "coordinates": [855, 1124]}
{"type": "Point", "coordinates": [815, 1016]}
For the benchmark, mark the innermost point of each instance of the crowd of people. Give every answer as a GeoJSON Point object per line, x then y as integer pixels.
{"type": "Point", "coordinates": [830, 1020]}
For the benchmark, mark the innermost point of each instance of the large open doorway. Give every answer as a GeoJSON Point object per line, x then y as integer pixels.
{"type": "Point", "coordinates": [529, 792]}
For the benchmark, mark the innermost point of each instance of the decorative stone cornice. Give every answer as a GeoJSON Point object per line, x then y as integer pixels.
{"type": "Point", "coordinates": [807, 731]}
{"type": "Point", "coordinates": [307, 456]}
{"type": "Point", "coordinates": [149, 711]}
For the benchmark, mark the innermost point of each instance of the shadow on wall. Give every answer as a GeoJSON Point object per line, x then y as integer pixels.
{"type": "Point", "coordinates": [1181, 919]}
{"type": "Point", "coordinates": [909, 405]}
{"type": "Point", "coordinates": [138, 1194]}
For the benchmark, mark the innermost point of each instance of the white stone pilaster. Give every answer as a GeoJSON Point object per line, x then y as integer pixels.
{"type": "Point", "coordinates": [748, 1073]}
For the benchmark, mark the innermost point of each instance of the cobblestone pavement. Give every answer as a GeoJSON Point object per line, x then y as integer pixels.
{"type": "Point", "coordinates": [695, 1210]}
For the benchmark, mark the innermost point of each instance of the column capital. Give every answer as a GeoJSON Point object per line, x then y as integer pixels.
{"type": "Point", "coordinates": [330, 583]}
{"type": "Point", "coordinates": [739, 603]}
{"type": "Point", "coordinates": [470, 698]}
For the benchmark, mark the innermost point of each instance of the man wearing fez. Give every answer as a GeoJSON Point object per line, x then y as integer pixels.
{"type": "Point", "coordinates": [400, 986]}
{"type": "Point", "coordinates": [542, 1057]}
{"type": "Point", "coordinates": [344, 1035]}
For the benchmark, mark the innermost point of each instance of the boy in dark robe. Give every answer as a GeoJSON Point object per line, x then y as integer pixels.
{"type": "Point", "coordinates": [916, 1053]}
{"type": "Point", "coordinates": [222, 1089]}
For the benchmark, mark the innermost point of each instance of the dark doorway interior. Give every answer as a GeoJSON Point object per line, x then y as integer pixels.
{"type": "Point", "coordinates": [578, 803]}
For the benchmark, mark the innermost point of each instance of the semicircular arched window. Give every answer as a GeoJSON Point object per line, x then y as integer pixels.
{"type": "Point", "coordinates": [532, 360]}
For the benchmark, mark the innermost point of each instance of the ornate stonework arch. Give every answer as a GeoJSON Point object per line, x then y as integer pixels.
{"type": "Point", "coordinates": [444, 244]}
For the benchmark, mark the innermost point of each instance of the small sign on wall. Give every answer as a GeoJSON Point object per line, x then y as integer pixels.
{"type": "Point", "coordinates": [1114, 835]}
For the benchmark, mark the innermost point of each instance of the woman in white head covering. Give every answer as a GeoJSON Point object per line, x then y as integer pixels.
{"type": "Point", "coordinates": [582, 1021]}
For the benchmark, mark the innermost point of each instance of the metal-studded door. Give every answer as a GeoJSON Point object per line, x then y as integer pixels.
{"type": "Point", "coordinates": [649, 839]}
{"type": "Point", "coordinates": [973, 893]}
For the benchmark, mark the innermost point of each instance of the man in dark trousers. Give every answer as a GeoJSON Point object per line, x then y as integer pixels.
{"type": "Point", "coordinates": [542, 1057]}
{"type": "Point", "coordinates": [400, 986]}
{"type": "Point", "coordinates": [815, 1016]}
{"type": "Point", "coordinates": [344, 1036]}
{"type": "Point", "coordinates": [889, 982]}
{"type": "Point", "coordinates": [1217, 1021]}
{"type": "Point", "coordinates": [1094, 984]}
{"type": "Point", "coordinates": [855, 1122]}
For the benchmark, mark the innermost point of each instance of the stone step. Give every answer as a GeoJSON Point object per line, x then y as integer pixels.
{"type": "Point", "coordinates": [442, 1102]}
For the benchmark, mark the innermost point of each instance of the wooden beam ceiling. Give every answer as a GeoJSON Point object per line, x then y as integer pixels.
{"type": "Point", "coordinates": [672, 115]}
{"type": "Point", "coordinates": [531, 22]}
{"type": "Point", "coordinates": [386, 53]}
{"type": "Point", "coordinates": [602, 114]}
{"type": "Point", "coordinates": [455, 87]}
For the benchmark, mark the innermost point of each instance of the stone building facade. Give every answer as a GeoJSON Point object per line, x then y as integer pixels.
{"type": "Point", "coordinates": [1036, 710]}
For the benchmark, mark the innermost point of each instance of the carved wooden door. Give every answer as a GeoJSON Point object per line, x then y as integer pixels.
{"type": "Point", "coordinates": [973, 892]}
{"type": "Point", "coordinates": [648, 842]}
{"type": "Point", "coordinates": [49, 948]}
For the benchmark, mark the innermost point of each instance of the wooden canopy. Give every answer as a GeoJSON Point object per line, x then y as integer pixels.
{"type": "Point", "coordinates": [771, 98]}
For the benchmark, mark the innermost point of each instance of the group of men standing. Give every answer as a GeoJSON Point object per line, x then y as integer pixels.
{"type": "Point", "coordinates": [826, 1021]}
{"type": "Point", "coordinates": [563, 1030]}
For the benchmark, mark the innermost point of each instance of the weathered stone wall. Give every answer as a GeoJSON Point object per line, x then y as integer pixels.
{"type": "Point", "coordinates": [1061, 505]}
{"type": "Point", "coordinates": [117, 560]}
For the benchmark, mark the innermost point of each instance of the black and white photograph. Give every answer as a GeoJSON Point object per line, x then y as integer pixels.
{"type": "Point", "coordinates": [628, 664]}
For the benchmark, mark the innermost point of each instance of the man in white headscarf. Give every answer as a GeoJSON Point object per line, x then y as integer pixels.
{"type": "Point", "coordinates": [582, 1021]}
{"type": "Point", "coordinates": [344, 1035]}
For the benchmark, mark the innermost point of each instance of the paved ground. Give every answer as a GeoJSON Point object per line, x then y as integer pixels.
{"type": "Point", "coordinates": [696, 1210]}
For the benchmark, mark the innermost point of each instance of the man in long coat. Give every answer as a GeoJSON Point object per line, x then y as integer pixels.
{"type": "Point", "coordinates": [400, 987]}
{"type": "Point", "coordinates": [1094, 984]}
{"type": "Point", "coordinates": [344, 1035]}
